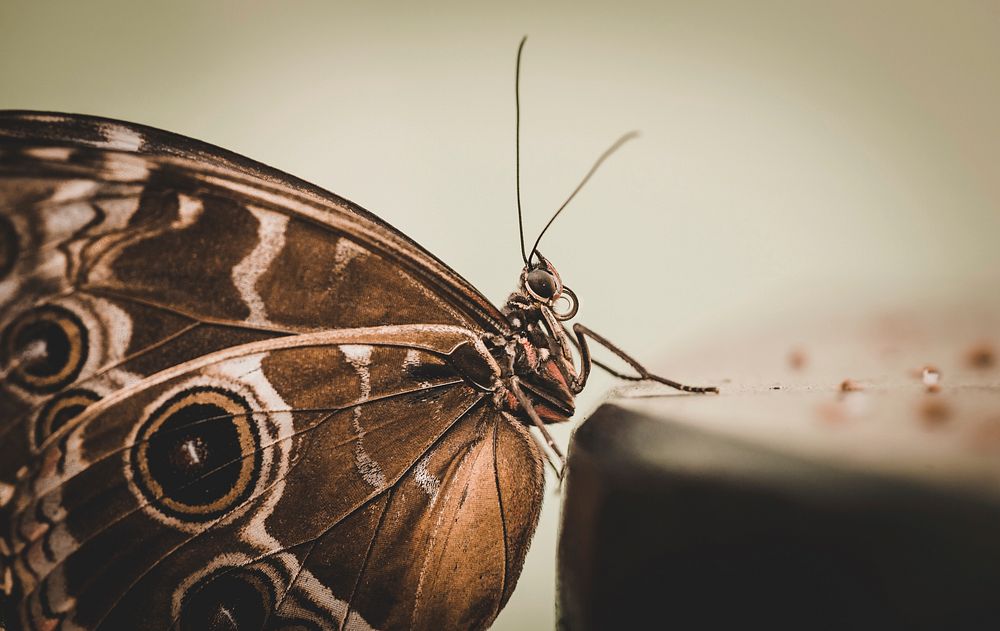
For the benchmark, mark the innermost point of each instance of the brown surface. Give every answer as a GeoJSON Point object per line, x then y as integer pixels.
{"type": "Point", "coordinates": [791, 500]}
{"type": "Point", "coordinates": [861, 398]}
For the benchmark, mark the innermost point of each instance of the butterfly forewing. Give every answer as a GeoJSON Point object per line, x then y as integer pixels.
{"type": "Point", "coordinates": [176, 449]}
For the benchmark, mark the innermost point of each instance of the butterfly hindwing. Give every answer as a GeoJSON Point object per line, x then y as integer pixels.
{"type": "Point", "coordinates": [431, 553]}
{"type": "Point", "coordinates": [244, 465]}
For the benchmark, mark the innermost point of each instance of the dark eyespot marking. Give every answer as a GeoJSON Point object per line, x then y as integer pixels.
{"type": "Point", "coordinates": [541, 283]}
{"type": "Point", "coordinates": [229, 599]}
{"type": "Point", "coordinates": [43, 350]}
{"type": "Point", "coordinates": [62, 409]}
{"type": "Point", "coordinates": [10, 246]}
{"type": "Point", "coordinates": [197, 456]}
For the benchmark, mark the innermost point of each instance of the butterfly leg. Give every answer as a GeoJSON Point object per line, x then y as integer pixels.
{"type": "Point", "coordinates": [582, 333]}
{"type": "Point", "coordinates": [515, 386]}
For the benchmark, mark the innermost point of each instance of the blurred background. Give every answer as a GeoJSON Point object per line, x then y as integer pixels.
{"type": "Point", "coordinates": [792, 153]}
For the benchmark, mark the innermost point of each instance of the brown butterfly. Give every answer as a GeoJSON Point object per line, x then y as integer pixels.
{"type": "Point", "coordinates": [233, 400]}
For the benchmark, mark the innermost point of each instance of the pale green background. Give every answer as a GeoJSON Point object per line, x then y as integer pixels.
{"type": "Point", "coordinates": [790, 151]}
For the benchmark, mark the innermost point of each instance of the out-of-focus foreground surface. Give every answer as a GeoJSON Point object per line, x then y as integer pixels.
{"type": "Point", "coordinates": [848, 477]}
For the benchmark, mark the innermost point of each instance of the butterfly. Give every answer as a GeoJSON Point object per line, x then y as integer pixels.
{"type": "Point", "coordinates": [233, 400]}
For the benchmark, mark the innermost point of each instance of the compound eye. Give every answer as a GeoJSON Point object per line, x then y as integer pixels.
{"type": "Point", "coordinates": [541, 284]}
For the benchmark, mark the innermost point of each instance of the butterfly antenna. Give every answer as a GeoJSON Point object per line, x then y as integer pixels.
{"type": "Point", "coordinates": [517, 143]}
{"type": "Point", "coordinates": [604, 156]}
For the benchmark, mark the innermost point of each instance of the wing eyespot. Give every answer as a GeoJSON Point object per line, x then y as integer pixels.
{"type": "Point", "coordinates": [44, 349]}
{"type": "Point", "coordinates": [229, 599]}
{"type": "Point", "coordinates": [197, 456]}
{"type": "Point", "coordinates": [60, 410]}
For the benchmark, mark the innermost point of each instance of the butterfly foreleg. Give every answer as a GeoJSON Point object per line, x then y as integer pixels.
{"type": "Point", "coordinates": [587, 361]}
{"type": "Point", "coordinates": [581, 333]}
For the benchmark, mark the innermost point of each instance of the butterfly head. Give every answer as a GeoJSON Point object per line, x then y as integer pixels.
{"type": "Point", "coordinates": [538, 349]}
{"type": "Point", "coordinates": [541, 283]}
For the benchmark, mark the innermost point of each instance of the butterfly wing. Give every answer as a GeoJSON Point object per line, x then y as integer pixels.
{"type": "Point", "coordinates": [125, 250]}
{"type": "Point", "coordinates": [243, 486]}
{"type": "Point", "coordinates": [128, 254]}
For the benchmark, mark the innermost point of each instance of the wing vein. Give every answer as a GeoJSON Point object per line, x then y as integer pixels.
{"type": "Point", "coordinates": [368, 553]}
{"type": "Point", "coordinates": [106, 292]}
{"type": "Point", "coordinates": [503, 516]}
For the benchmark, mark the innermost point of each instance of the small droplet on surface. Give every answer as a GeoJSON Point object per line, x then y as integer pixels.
{"type": "Point", "coordinates": [930, 375]}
